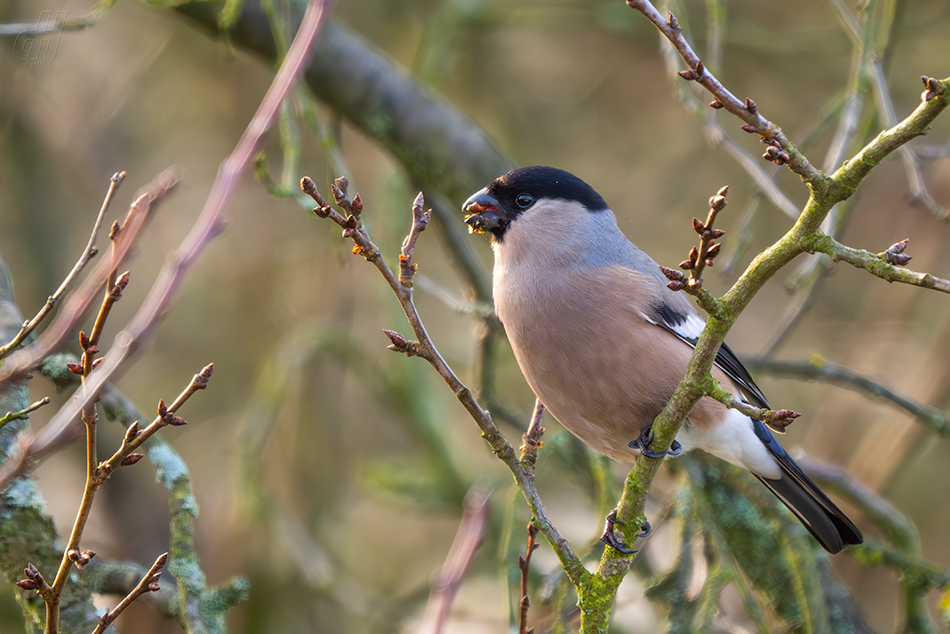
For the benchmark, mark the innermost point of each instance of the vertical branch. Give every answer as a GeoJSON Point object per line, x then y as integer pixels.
{"type": "Point", "coordinates": [524, 564]}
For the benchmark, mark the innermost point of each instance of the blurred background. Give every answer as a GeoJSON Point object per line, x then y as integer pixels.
{"type": "Point", "coordinates": [331, 472]}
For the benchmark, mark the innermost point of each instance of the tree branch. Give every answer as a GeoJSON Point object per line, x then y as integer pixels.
{"type": "Point", "coordinates": [819, 369]}
{"type": "Point", "coordinates": [208, 225]}
{"type": "Point", "coordinates": [425, 348]}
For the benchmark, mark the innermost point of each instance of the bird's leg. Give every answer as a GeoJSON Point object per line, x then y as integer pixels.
{"type": "Point", "coordinates": [610, 538]}
{"type": "Point", "coordinates": [642, 444]}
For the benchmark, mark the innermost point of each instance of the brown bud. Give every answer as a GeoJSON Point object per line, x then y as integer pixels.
{"type": "Point", "coordinates": [132, 458]}
{"type": "Point", "coordinates": [698, 225]}
{"type": "Point", "coordinates": [75, 368]}
{"type": "Point", "coordinates": [162, 560]}
{"type": "Point", "coordinates": [895, 253]}
{"type": "Point", "coordinates": [750, 106]}
{"type": "Point", "coordinates": [307, 185]}
{"type": "Point", "coordinates": [676, 285]}
{"type": "Point", "coordinates": [897, 259]}
{"type": "Point", "coordinates": [177, 421]}
{"type": "Point", "coordinates": [83, 340]}
{"type": "Point", "coordinates": [672, 274]}
{"type": "Point", "coordinates": [672, 21]}
{"type": "Point", "coordinates": [782, 418]}
{"type": "Point", "coordinates": [162, 408]}
{"type": "Point", "coordinates": [123, 281]}
{"type": "Point", "coordinates": [338, 194]}
{"type": "Point", "coordinates": [898, 247]}
{"type": "Point", "coordinates": [153, 587]}
{"type": "Point", "coordinates": [710, 261]}
{"type": "Point", "coordinates": [357, 205]}
{"type": "Point", "coordinates": [401, 344]}
{"type": "Point", "coordinates": [342, 183]}
{"type": "Point", "coordinates": [114, 231]}
{"type": "Point", "coordinates": [715, 234]}
{"type": "Point", "coordinates": [202, 378]}
{"type": "Point", "coordinates": [98, 362]}
{"type": "Point", "coordinates": [748, 128]}
{"type": "Point", "coordinates": [72, 554]}
{"type": "Point", "coordinates": [715, 103]}
{"type": "Point", "coordinates": [714, 250]}
{"type": "Point", "coordinates": [693, 254]}
{"type": "Point", "coordinates": [686, 264]}
{"type": "Point", "coordinates": [91, 350]}
{"type": "Point", "coordinates": [693, 73]}
{"type": "Point", "coordinates": [27, 584]}
{"type": "Point", "coordinates": [88, 554]}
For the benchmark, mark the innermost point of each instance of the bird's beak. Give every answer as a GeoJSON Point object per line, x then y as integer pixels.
{"type": "Point", "coordinates": [481, 212]}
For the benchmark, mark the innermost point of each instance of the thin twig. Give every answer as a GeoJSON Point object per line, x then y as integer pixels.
{"type": "Point", "coordinates": [745, 110]}
{"type": "Point", "coordinates": [90, 419]}
{"type": "Point", "coordinates": [149, 583]}
{"type": "Point", "coordinates": [420, 219]}
{"type": "Point", "coordinates": [776, 419]}
{"type": "Point", "coordinates": [877, 264]}
{"type": "Point", "coordinates": [467, 540]}
{"type": "Point", "coordinates": [167, 415]}
{"type": "Point", "coordinates": [208, 225]}
{"type": "Point", "coordinates": [531, 439]}
{"type": "Point", "coordinates": [819, 369]}
{"type": "Point", "coordinates": [21, 362]}
{"type": "Point", "coordinates": [88, 253]}
{"type": "Point", "coordinates": [96, 476]}
{"type": "Point", "coordinates": [524, 564]}
{"type": "Point", "coordinates": [425, 348]}
{"type": "Point", "coordinates": [918, 188]}
{"type": "Point", "coordinates": [23, 413]}
{"type": "Point", "coordinates": [716, 135]}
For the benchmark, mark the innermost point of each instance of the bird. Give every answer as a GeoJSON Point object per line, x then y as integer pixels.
{"type": "Point", "coordinates": [603, 342]}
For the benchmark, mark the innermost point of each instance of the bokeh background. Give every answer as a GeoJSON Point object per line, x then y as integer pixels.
{"type": "Point", "coordinates": [329, 471]}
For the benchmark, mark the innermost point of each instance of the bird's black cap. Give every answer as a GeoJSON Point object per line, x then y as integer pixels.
{"type": "Point", "coordinates": [492, 209]}
{"type": "Point", "coordinates": [544, 182]}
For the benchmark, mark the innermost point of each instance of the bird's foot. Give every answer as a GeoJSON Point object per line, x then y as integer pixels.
{"type": "Point", "coordinates": [642, 444]}
{"type": "Point", "coordinates": [610, 538]}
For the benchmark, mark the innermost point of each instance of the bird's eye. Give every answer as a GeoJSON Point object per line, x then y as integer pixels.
{"type": "Point", "coordinates": [524, 200]}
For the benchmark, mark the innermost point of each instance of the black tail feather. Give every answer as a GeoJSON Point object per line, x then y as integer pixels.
{"type": "Point", "coordinates": [825, 521]}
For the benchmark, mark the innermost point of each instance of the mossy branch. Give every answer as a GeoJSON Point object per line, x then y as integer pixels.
{"type": "Point", "coordinates": [597, 596]}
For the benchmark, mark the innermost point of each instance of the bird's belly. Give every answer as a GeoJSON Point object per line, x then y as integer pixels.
{"type": "Point", "coordinates": [596, 374]}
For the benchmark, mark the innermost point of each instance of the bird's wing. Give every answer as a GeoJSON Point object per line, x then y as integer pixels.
{"type": "Point", "coordinates": [687, 326]}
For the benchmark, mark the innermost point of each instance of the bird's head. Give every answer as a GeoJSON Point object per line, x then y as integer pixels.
{"type": "Point", "coordinates": [494, 208]}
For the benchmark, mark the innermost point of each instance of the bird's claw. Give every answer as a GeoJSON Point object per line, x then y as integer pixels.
{"type": "Point", "coordinates": [642, 444]}
{"type": "Point", "coordinates": [611, 540]}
